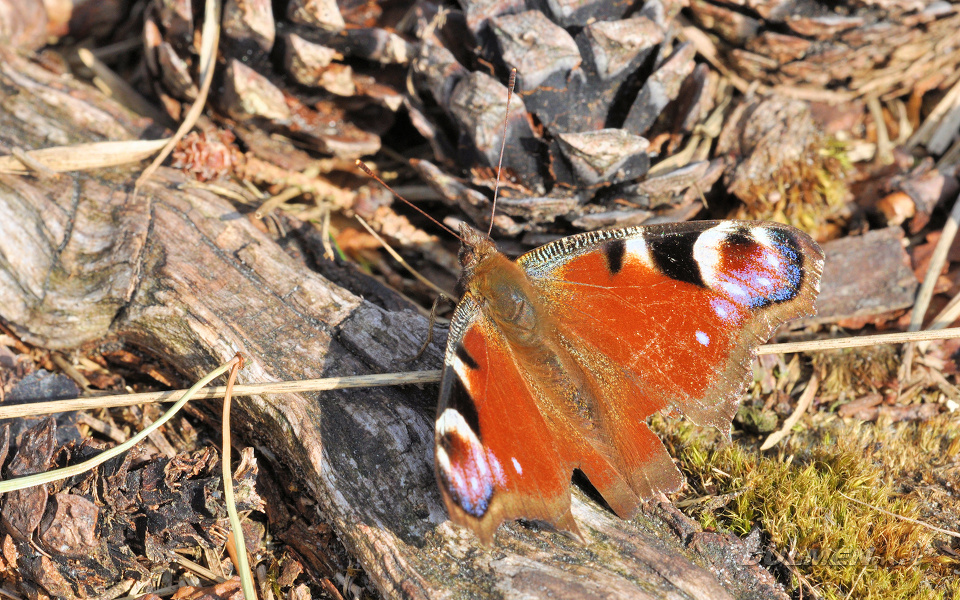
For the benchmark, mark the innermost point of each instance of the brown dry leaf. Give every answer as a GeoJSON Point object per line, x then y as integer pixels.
{"type": "Point", "coordinates": [352, 241]}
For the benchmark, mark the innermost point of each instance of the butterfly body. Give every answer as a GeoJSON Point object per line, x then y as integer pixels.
{"type": "Point", "coordinates": [556, 360]}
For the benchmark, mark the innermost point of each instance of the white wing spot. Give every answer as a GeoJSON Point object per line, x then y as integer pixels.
{"type": "Point", "coordinates": [443, 460]}
{"type": "Point", "coordinates": [459, 368]}
{"type": "Point", "coordinates": [516, 466]}
{"type": "Point", "coordinates": [724, 309]}
{"type": "Point", "coordinates": [733, 289]}
{"type": "Point", "coordinates": [495, 469]}
{"type": "Point", "coordinates": [703, 338]}
{"type": "Point", "coordinates": [706, 251]}
{"type": "Point", "coordinates": [637, 247]}
{"type": "Point", "coordinates": [761, 235]}
{"type": "Point", "coordinates": [451, 421]}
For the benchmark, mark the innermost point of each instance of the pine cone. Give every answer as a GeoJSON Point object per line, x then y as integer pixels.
{"type": "Point", "coordinates": [596, 83]}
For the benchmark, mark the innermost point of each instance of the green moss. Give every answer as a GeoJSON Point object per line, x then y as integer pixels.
{"type": "Point", "coordinates": [795, 496]}
{"type": "Point", "coordinates": [807, 193]}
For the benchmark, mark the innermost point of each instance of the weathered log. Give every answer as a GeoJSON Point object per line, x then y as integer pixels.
{"type": "Point", "coordinates": [181, 273]}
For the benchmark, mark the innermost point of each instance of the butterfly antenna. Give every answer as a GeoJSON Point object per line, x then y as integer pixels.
{"type": "Point", "coordinates": [366, 169]}
{"type": "Point", "coordinates": [503, 144]}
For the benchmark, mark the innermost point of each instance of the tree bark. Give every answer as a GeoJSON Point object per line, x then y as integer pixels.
{"type": "Point", "coordinates": [180, 272]}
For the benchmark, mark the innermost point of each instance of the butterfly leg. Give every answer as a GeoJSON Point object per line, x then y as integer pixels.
{"type": "Point", "coordinates": [430, 326]}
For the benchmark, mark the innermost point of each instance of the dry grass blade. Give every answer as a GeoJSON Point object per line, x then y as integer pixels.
{"type": "Point", "coordinates": [936, 265]}
{"type": "Point", "coordinates": [218, 190]}
{"type": "Point", "coordinates": [708, 50]}
{"type": "Point", "coordinates": [84, 156]}
{"type": "Point", "coordinates": [208, 60]}
{"type": "Point", "coordinates": [949, 314]}
{"type": "Point", "coordinates": [860, 342]}
{"type": "Point", "coordinates": [36, 166]}
{"type": "Point", "coordinates": [117, 87]}
{"type": "Point", "coordinates": [70, 371]}
{"type": "Point", "coordinates": [278, 387]}
{"type": "Point", "coordinates": [929, 283]}
{"type": "Point", "coordinates": [806, 399]}
{"type": "Point", "coordinates": [923, 134]}
{"type": "Point", "coordinates": [903, 518]}
{"type": "Point", "coordinates": [950, 158]}
{"type": "Point", "coordinates": [242, 564]}
{"type": "Point", "coordinates": [884, 146]}
{"type": "Point", "coordinates": [412, 377]}
{"type": "Point", "coordinates": [196, 568]}
{"type": "Point", "coordinates": [325, 233]}
{"type": "Point", "coordinates": [117, 49]}
{"type": "Point", "coordinates": [403, 263]}
{"type": "Point", "coordinates": [277, 201]}
{"type": "Point", "coordinates": [114, 433]}
{"type": "Point", "coordinates": [19, 483]}
{"type": "Point", "coordinates": [308, 182]}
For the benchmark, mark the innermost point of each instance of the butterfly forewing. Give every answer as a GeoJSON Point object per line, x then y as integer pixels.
{"type": "Point", "coordinates": [680, 308]}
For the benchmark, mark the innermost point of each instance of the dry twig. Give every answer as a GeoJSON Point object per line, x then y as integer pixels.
{"type": "Point", "coordinates": [902, 518]}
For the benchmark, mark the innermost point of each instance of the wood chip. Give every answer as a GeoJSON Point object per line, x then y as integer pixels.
{"type": "Point", "coordinates": [865, 275]}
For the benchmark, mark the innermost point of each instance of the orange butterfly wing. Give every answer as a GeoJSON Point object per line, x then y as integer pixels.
{"type": "Point", "coordinates": [634, 321]}
{"type": "Point", "coordinates": [501, 450]}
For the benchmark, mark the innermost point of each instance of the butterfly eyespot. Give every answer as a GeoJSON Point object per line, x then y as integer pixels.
{"type": "Point", "coordinates": [469, 472]}
{"type": "Point", "coordinates": [754, 267]}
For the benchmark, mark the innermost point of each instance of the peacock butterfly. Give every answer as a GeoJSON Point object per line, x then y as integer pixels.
{"type": "Point", "coordinates": [555, 361]}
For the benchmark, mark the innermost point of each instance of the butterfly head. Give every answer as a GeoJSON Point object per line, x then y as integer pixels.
{"type": "Point", "coordinates": [475, 248]}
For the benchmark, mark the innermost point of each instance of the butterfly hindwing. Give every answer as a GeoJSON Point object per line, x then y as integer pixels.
{"type": "Point", "coordinates": [495, 456]}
